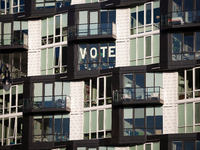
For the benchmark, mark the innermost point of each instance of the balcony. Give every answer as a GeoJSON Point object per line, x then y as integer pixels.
{"type": "Point", "coordinates": [14, 41]}
{"type": "Point", "coordinates": [139, 96]}
{"type": "Point", "coordinates": [47, 103]}
{"type": "Point", "coordinates": [181, 18]}
{"type": "Point", "coordinates": [92, 31]}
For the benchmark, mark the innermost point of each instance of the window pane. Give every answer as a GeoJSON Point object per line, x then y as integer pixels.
{"type": "Point", "coordinates": [108, 87]}
{"type": "Point", "coordinates": [43, 59]}
{"type": "Point", "coordinates": [50, 26]}
{"type": "Point", "coordinates": [93, 53]}
{"type": "Point", "coordinates": [181, 114]}
{"type": "Point", "coordinates": [158, 117]}
{"type": "Point", "coordinates": [128, 117]}
{"type": "Point", "coordinates": [57, 124]}
{"type": "Point", "coordinates": [141, 15]}
{"type": "Point", "coordinates": [139, 117]}
{"type": "Point", "coordinates": [176, 43]}
{"type": "Point", "coordinates": [189, 112]}
{"type": "Point", "coordinates": [37, 125]}
{"type": "Point", "coordinates": [189, 145]}
{"type": "Point", "coordinates": [108, 119]}
{"type": "Point", "coordinates": [148, 46]}
{"type": "Point", "coordinates": [156, 11]}
{"type": "Point", "coordinates": [188, 42]}
{"type": "Point", "coordinates": [86, 122]}
{"type": "Point", "coordinates": [133, 17]}
{"type": "Point", "coordinates": [101, 87]}
{"type": "Point", "coordinates": [140, 48]}
{"type": "Point", "coordinates": [44, 28]}
{"type": "Point", "coordinates": [66, 126]}
{"type": "Point", "coordinates": [189, 81]}
{"type": "Point", "coordinates": [56, 56]}
{"type": "Point", "coordinates": [37, 89]}
{"type": "Point", "coordinates": [177, 5]}
{"type": "Point", "coordinates": [156, 45]}
{"type": "Point", "coordinates": [94, 89]}
{"type": "Point", "coordinates": [93, 121]}
{"type": "Point", "coordinates": [198, 41]}
{"type": "Point", "coordinates": [82, 54]}
{"type": "Point", "coordinates": [64, 23]}
{"type": "Point", "coordinates": [177, 145]}
{"type": "Point", "coordinates": [48, 124]}
{"type": "Point", "coordinates": [57, 25]}
{"type": "Point", "coordinates": [197, 112]}
{"type": "Point", "coordinates": [132, 49]}
{"type": "Point", "coordinates": [148, 13]}
{"type": "Point", "coordinates": [50, 58]}
{"type": "Point", "coordinates": [101, 119]}
{"type": "Point", "coordinates": [150, 117]}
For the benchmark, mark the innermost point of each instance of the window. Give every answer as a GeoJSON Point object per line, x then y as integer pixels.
{"type": "Point", "coordinates": [41, 4]}
{"type": "Point", "coordinates": [146, 146]}
{"type": "Point", "coordinates": [145, 18]}
{"type": "Point", "coordinates": [97, 95]}
{"type": "Point", "coordinates": [11, 129]}
{"type": "Point", "coordinates": [145, 50]}
{"type": "Point", "coordinates": [17, 63]}
{"type": "Point", "coordinates": [188, 121]}
{"type": "Point", "coordinates": [14, 33]}
{"type": "Point", "coordinates": [97, 123]}
{"type": "Point", "coordinates": [53, 60]}
{"type": "Point", "coordinates": [12, 100]}
{"type": "Point", "coordinates": [188, 83]}
{"type": "Point", "coordinates": [143, 121]}
{"type": "Point", "coordinates": [12, 6]}
{"type": "Point", "coordinates": [96, 56]}
{"type": "Point", "coordinates": [43, 128]}
{"type": "Point", "coordinates": [54, 29]}
{"type": "Point", "coordinates": [93, 1]}
{"type": "Point", "coordinates": [54, 95]}
{"type": "Point", "coordinates": [142, 86]}
{"type": "Point", "coordinates": [185, 145]}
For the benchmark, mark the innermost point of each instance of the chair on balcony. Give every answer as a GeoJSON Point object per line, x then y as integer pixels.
{"type": "Point", "coordinates": [154, 96]}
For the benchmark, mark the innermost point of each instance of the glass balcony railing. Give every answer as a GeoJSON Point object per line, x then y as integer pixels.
{"type": "Point", "coordinates": [15, 39]}
{"type": "Point", "coordinates": [42, 102]}
{"type": "Point", "coordinates": [181, 18]}
{"type": "Point", "coordinates": [133, 94]}
{"type": "Point", "coordinates": [92, 29]}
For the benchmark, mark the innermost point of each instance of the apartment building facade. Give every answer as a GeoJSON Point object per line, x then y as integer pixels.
{"type": "Point", "coordinates": [100, 74]}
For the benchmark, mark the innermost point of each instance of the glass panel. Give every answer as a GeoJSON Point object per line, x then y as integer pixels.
{"type": "Point", "coordinates": [197, 112]}
{"type": "Point", "coordinates": [158, 117]}
{"type": "Point", "coordinates": [147, 146]}
{"type": "Point", "coordinates": [101, 120]}
{"type": "Point", "coordinates": [189, 80]}
{"type": "Point", "coordinates": [43, 59]}
{"type": "Point", "coordinates": [19, 126]}
{"type": "Point", "coordinates": [93, 53]}
{"type": "Point", "coordinates": [176, 43]}
{"type": "Point", "coordinates": [177, 5]}
{"type": "Point", "coordinates": [132, 49]}
{"type": "Point", "coordinates": [93, 121]}
{"type": "Point", "coordinates": [86, 122]}
{"type": "Point", "coordinates": [156, 45]}
{"type": "Point", "coordinates": [12, 127]}
{"type": "Point", "coordinates": [108, 119]}
{"type": "Point", "coordinates": [57, 56]}
{"type": "Point", "coordinates": [177, 145]}
{"type": "Point", "coordinates": [94, 89]}
{"type": "Point", "coordinates": [13, 103]}
{"type": "Point", "coordinates": [108, 87]}
{"type": "Point", "coordinates": [140, 48]}
{"type": "Point", "coordinates": [148, 13]}
{"type": "Point", "coordinates": [150, 117]}
{"type": "Point", "coordinates": [189, 145]}
{"type": "Point", "coordinates": [198, 145]}
{"type": "Point", "coordinates": [57, 25]}
{"type": "Point", "coordinates": [156, 11]}
{"type": "Point", "coordinates": [156, 146]}
{"type": "Point", "coordinates": [141, 15]}
{"type": "Point", "coordinates": [82, 54]}
{"type": "Point", "coordinates": [50, 58]}
{"type": "Point", "coordinates": [66, 127]}
{"type": "Point", "coordinates": [101, 87]}
{"type": "Point", "coordinates": [139, 117]}
{"type": "Point", "coordinates": [48, 99]}
{"type": "Point", "coordinates": [188, 42]}
{"type": "Point", "coordinates": [148, 46]}
{"type": "Point", "coordinates": [197, 41]}
{"type": "Point", "coordinates": [128, 117]}
{"type": "Point", "coordinates": [189, 113]}
{"type": "Point", "coordinates": [48, 124]}
{"type": "Point", "coordinates": [37, 125]}
{"type": "Point", "coordinates": [64, 23]}
{"type": "Point", "coordinates": [181, 114]}
{"type": "Point", "coordinates": [93, 23]}
{"type": "Point", "coordinates": [133, 17]}
{"type": "Point", "coordinates": [140, 147]}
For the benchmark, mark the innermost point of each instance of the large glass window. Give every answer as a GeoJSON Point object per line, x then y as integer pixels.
{"type": "Point", "coordinates": [97, 95]}
{"type": "Point", "coordinates": [96, 56]}
{"type": "Point", "coordinates": [54, 29]}
{"type": "Point", "coordinates": [42, 4]}
{"type": "Point", "coordinates": [145, 18]}
{"type": "Point", "coordinates": [143, 121]}
{"type": "Point", "coordinates": [53, 60]}
{"type": "Point", "coordinates": [188, 83]}
{"type": "Point", "coordinates": [11, 6]}
{"type": "Point", "coordinates": [183, 47]}
{"type": "Point", "coordinates": [97, 123]}
{"type": "Point", "coordinates": [145, 50]}
{"type": "Point", "coordinates": [43, 128]}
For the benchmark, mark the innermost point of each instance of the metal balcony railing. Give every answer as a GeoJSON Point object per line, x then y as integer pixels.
{"type": "Point", "coordinates": [132, 94]}
{"type": "Point", "coordinates": [92, 29]}
{"type": "Point", "coordinates": [181, 18]}
{"type": "Point", "coordinates": [42, 102]}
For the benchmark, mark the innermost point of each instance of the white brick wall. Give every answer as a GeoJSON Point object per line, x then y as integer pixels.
{"type": "Point", "coordinates": [76, 114]}
{"type": "Point", "coordinates": [34, 41]}
{"type": "Point", "coordinates": [170, 86]}
{"type": "Point", "coordinates": [122, 42]}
